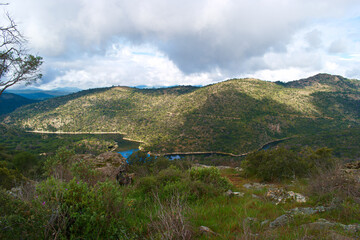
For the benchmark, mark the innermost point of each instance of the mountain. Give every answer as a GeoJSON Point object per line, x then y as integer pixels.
{"type": "Point", "coordinates": [39, 94]}
{"type": "Point", "coordinates": [9, 102]}
{"type": "Point", "coordinates": [235, 116]}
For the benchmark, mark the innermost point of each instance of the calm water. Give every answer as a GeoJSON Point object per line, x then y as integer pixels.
{"type": "Point", "coordinates": [126, 154]}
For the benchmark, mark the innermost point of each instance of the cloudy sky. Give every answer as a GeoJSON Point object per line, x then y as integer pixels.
{"type": "Point", "coordinates": [93, 43]}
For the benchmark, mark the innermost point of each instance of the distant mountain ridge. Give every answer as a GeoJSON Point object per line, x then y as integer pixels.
{"type": "Point", "coordinates": [39, 94]}
{"type": "Point", "coordinates": [9, 102]}
{"type": "Point", "coordinates": [234, 116]}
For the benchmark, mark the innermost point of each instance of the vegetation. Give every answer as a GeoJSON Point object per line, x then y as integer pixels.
{"type": "Point", "coordinates": [281, 163]}
{"type": "Point", "coordinates": [173, 199]}
{"type": "Point", "coordinates": [67, 192]}
{"type": "Point", "coordinates": [9, 102]}
{"type": "Point", "coordinates": [46, 144]}
{"type": "Point", "coordinates": [236, 116]}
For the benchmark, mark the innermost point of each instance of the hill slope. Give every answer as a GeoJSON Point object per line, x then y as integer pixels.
{"type": "Point", "coordinates": [9, 102]}
{"type": "Point", "coordinates": [236, 116]}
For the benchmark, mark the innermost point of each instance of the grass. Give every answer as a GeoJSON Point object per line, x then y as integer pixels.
{"type": "Point", "coordinates": [168, 212]}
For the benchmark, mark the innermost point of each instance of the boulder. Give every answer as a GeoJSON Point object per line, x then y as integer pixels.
{"type": "Point", "coordinates": [230, 193]}
{"type": "Point", "coordinates": [279, 195]}
{"type": "Point", "coordinates": [281, 221]}
{"type": "Point", "coordinates": [111, 165]}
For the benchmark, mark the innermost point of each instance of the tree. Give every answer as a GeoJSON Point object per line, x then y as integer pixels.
{"type": "Point", "coordinates": [16, 65]}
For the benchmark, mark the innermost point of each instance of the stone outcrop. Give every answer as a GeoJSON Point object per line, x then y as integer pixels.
{"type": "Point", "coordinates": [110, 165]}
{"type": "Point", "coordinates": [279, 195]}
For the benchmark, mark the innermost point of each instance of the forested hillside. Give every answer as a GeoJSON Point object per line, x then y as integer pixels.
{"type": "Point", "coordinates": [235, 116]}
{"type": "Point", "coordinates": [9, 102]}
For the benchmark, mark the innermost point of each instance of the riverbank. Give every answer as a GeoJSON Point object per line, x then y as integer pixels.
{"type": "Point", "coordinates": [264, 147]}
{"type": "Point", "coordinates": [94, 133]}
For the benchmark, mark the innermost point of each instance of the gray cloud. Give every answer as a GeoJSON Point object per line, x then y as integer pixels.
{"type": "Point", "coordinates": [338, 46]}
{"type": "Point", "coordinates": [197, 36]}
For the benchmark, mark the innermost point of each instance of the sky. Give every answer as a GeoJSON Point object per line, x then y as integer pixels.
{"type": "Point", "coordinates": [91, 43]}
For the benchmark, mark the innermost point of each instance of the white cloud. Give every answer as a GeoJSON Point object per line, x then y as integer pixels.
{"type": "Point", "coordinates": [125, 66]}
{"type": "Point", "coordinates": [196, 42]}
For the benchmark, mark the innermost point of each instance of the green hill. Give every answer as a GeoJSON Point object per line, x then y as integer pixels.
{"type": "Point", "coordinates": [9, 102]}
{"type": "Point", "coordinates": [236, 116]}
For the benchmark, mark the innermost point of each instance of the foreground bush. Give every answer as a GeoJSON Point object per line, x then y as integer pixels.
{"type": "Point", "coordinates": [81, 211]}
{"type": "Point", "coordinates": [210, 176]}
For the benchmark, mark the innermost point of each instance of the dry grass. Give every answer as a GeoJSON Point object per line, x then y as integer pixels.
{"type": "Point", "coordinates": [336, 180]}
{"type": "Point", "coordinates": [170, 221]}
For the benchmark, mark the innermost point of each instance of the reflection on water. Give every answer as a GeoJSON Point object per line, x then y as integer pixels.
{"type": "Point", "coordinates": [126, 154]}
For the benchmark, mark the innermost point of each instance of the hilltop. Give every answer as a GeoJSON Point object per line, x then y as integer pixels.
{"type": "Point", "coordinates": [235, 116]}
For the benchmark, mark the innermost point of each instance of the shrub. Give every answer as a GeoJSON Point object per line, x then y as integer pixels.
{"type": "Point", "coordinates": [281, 163]}
{"type": "Point", "coordinates": [171, 174]}
{"type": "Point", "coordinates": [160, 163]}
{"type": "Point", "coordinates": [19, 219]}
{"type": "Point", "coordinates": [58, 165]}
{"type": "Point", "coordinates": [210, 176]}
{"type": "Point", "coordinates": [141, 158]}
{"type": "Point", "coordinates": [333, 182]}
{"type": "Point", "coordinates": [80, 211]}
{"type": "Point", "coordinates": [26, 163]}
{"type": "Point", "coordinates": [10, 178]}
{"type": "Point", "coordinates": [147, 184]}
{"type": "Point", "coordinates": [85, 171]}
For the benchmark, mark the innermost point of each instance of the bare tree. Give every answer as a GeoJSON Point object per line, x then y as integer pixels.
{"type": "Point", "coordinates": [16, 65]}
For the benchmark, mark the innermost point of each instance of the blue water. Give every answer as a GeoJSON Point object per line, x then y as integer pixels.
{"type": "Point", "coordinates": [126, 154]}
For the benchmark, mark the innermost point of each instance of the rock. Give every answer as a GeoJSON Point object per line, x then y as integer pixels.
{"type": "Point", "coordinates": [297, 197]}
{"type": "Point", "coordinates": [281, 221]}
{"type": "Point", "coordinates": [265, 223]}
{"type": "Point", "coordinates": [257, 185]}
{"type": "Point", "coordinates": [322, 224]}
{"type": "Point", "coordinates": [230, 193]}
{"type": "Point", "coordinates": [307, 210]}
{"type": "Point", "coordinates": [336, 236]}
{"type": "Point", "coordinates": [125, 178]}
{"type": "Point", "coordinates": [111, 164]}
{"type": "Point", "coordinates": [238, 194]}
{"type": "Point", "coordinates": [255, 196]}
{"type": "Point", "coordinates": [279, 195]}
{"type": "Point", "coordinates": [206, 230]}
{"type": "Point", "coordinates": [353, 228]}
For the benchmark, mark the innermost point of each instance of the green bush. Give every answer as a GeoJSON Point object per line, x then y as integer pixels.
{"type": "Point", "coordinates": [10, 178]}
{"type": "Point", "coordinates": [140, 158]}
{"type": "Point", "coordinates": [160, 163]}
{"type": "Point", "coordinates": [59, 164]}
{"type": "Point", "coordinates": [281, 163]}
{"type": "Point", "coordinates": [27, 164]}
{"type": "Point", "coordinates": [83, 211]}
{"type": "Point", "coordinates": [210, 176]}
{"type": "Point", "coordinates": [147, 184]}
{"type": "Point", "coordinates": [169, 175]}
{"type": "Point", "coordinates": [85, 171]}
